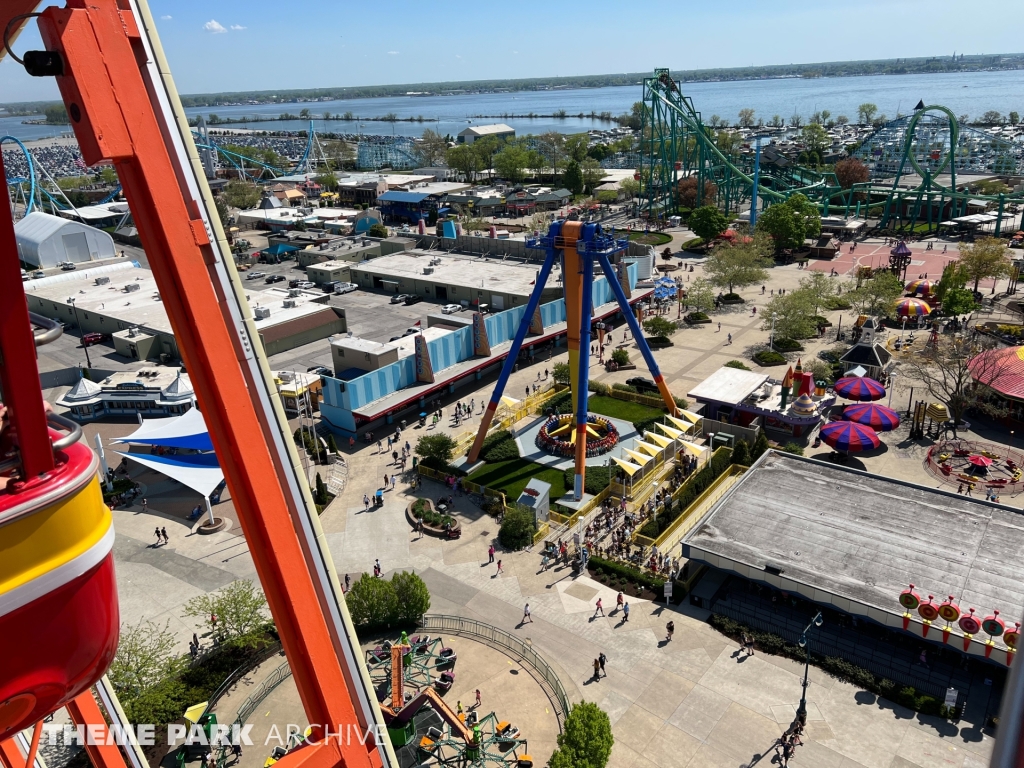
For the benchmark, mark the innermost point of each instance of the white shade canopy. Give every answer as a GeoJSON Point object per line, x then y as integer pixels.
{"type": "Point", "coordinates": [198, 471]}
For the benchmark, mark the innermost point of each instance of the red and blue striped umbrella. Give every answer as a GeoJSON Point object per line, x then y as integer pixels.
{"type": "Point", "coordinates": [849, 436]}
{"type": "Point", "coordinates": [859, 388]}
{"type": "Point", "coordinates": [878, 417]}
{"type": "Point", "coordinates": [909, 307]}
{"type": "Point", "coordinates": [922, 287]}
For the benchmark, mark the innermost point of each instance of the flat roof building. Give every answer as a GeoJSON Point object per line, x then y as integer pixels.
{"type": "Point", "coordinates": [471, 134]}
{"type": "Point", "coordinates": [44, 241]}
{"type": "Point", "coordinates": [468, 280]}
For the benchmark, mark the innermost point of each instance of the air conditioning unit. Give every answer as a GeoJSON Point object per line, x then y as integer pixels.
{"type": "Point", "coordinates": [294, 291]}
{"type": "Point", "coordinates": [102, 280]}
{"type": "Point", "coordinates": [287, 304]}
{"type": "Point", "coordinates": [262, 313]}
{"type": "Point", "coordinates": [428, 270]}
{"type": "Point", "coordinates": [131, 287]}
{"type": "Point", "coordinates": [133, 332]}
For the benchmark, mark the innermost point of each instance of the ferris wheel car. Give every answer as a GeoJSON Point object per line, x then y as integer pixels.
{"type": "Point", "coordinates": [58, 597]}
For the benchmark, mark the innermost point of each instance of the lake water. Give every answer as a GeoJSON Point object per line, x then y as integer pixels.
{"type": "Point", "coordinates": [969, 93]}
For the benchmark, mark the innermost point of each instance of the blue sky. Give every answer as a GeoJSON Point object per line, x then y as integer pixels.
{"type": "Point", "coordinates": [229, 45]}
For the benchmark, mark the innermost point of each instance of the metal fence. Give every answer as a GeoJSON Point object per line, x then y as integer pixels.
{"type": "Point", "coordinates": [541, 670]}
{"type": "Point", "coordinates": [254, 699]}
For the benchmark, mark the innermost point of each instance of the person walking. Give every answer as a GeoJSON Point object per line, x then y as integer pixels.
{"type": "Point", "coordinates": [960, 488]}
{"type": "Point", "coordinates": [618, 602]}
{"type": "Point", "coordinates": [159, 538]}
{"type": "Point", "coordinates": [526, 615]}
{"type": "Point", "coordinates": [599, 608]}
{"type": "Point", "coordinates": [348, 582]}
{"type": "Point", "coordinates": [601, 660]}
{"type": "Point", "coordinates": [730, 339]}
{"type": "Point", "coordinates": [393, 477]}
{"type": "Point", "coordinates": [719, 328]}
{"type": "Point", "coordinates": [625, 612]}
{"type": "Point", "coordinates": [499, 572]}
{"type": "Point", "coordinates": [748, 643]}
{"type": "Point", "coordinates": [376, 568]}
{"type": "Point", "coordinates": [597, 669]}
{"type": "Point", "coordinates": [163, 532]}
{"type": "Point", "coordinates": [670, 629]}
{"type": "Point", "coordinates": [385, 480]}
{"type": "Point", "coordinates": [490, 554]}
{"type": "Point", "coordinates": [479, 701]}
{"type": "Point", "coordinates": [236, 750]}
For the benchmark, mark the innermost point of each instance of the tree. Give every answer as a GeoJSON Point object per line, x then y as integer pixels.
{"type": "Point", "coordinates": [866, 111]}
{"type": "Point", "coordinates": [876, 296]}
{"type": "Point", "coordinates": [793, 315]}
{"type": "Point", "coordinates": [950, 368]}
{"type": "Point", "coordinates": [825, 115]}
{"type": "Point", "coordinates": [511, 162]}
{"type": "Point", "coordinates": [372, 601]}
{"type": "Point", "coordinates": [327, 180]}
{"type": "Point", "coordinates": [630, 188]}
{"type": "Point", "coordinates": [714, 121]}
{"type": "Point", "coordinates": [145, 656]}
{"type": "Point", "coordinates": [688, 189]}
{"type": "Point", "coordinates": [760, 445]}
{"type": "Point", "coordinates": [413, 596]}
{"type": "Point", "coordinates": [741, 454]}
{"type": "Point", "coordinates": [438, 447]}
{"type": "Point", "coordinates": [739, 264]}
{"type": "Point", "coordinates": [659, 326]}
{"type": "Point", "coordinates": [339, 154]}
{"type": "Point", "coordinates": [573, 178]}
{"type": "Point", "coordinates": [746, 117]}
{"type": "Point", "coordinates": [431, 149]}
{"type": "Point", "coordinates": [776, 121]}
{"type": "Point", "coordinates": [586, 740]}
{"type": "Point", "coordinates": [842, 120]}
{"type": "Point", "coordinates": [561, 373]}
{"type": "Point", "coordinates": [815, 138]}
{"type": "Point", "coordinates": [377, 230]}
{"type": "Point", "coordinates": [241, 194]}
{"type": "Point", "coordinates": [465, 160]}
{"type": "Point", "coordinates": [791, 222]}
{"type": "Point", "coordinates": [958, 301]}
{"type": "Point", "coordinates": [707, 222]}
{"type": "Point", "coordinates": [56, 114]}
{"type": "Point", "coordinates": [240, 608]}
{"type": "Point", "coordinates": [304, 114]}
{"type": "Point", "coordinates": [552, 146]}
{"type": "Point", "coordinates": [796, 121]}
{"type": "Point", "coordinates": [485, 149]}
{"type": "Point", "coordinates": [700, 295]}
{"type": "Point", "coordinates": [819, 288]}
{"type": "Point", "coordinates": [992, 117]}
{"type": "Point", "coordinates": [1014, 118]}
{"type": "Point", "coordinates": [728, 142]}
{"type": "Point", "coordinates": [983, 259]}
{"type": "Point", "coordinates": [517, 527]}
{"type": "Point", "coordinates": [576, 146]}
{"type": "Point", "coordinates": [850, 171]}
{"type": "Point", "coordinates": [593, 173]}
{"type": "Point", "coordinates": [222, 210]}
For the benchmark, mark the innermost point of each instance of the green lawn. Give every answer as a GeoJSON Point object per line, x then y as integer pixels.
{"type": "Point", "coordinates": [650, 238]}
{"type": "Point", "coordinates": [510, 477]}
{"type": "Point", "coordinates": [611, 407]}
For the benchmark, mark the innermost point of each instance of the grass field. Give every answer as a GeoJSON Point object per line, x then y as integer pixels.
{"type": "Point", "coordinates": [612, 407]}
{"type": "Point", "coordinates": [510, 477]}
{"type": "Point", "coordinates": [650, 238]}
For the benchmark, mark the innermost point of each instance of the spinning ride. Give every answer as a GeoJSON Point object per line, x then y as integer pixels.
{"type": "Point", "coordinates": [558, 436]}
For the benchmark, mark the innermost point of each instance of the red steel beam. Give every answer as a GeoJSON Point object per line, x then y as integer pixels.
{"type": "Point", "coordinates": [114, 119]}
{"type": "Point", "coordinates": [84, 710]}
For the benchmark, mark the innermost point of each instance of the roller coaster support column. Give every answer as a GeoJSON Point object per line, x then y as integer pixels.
{"type": "Point", "coordinates": [753, 187]}
{"type": "Point", "coordinates": [638, 334]}
{"type": "Point", "coordinates": [566, 239]}
{"type": "Point", "coordinates": [513, 354]}
{"type": "Point", "coordinates": [583, 321]}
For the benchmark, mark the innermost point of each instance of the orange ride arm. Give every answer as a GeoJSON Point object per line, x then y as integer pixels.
{"type": "Point", "coordinates": [85, 711]}
{"type": "Point", "coordinates": [124, 108]}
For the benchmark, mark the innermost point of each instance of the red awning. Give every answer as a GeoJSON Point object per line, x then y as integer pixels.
{"type": "Point", "coordinates": [1001, 370]}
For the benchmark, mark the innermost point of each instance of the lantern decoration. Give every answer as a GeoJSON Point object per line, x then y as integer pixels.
{"type": "Point", "coordinates": [970, 626]}
{"type": "Point", "coordinates": [949, 610]}
{"type": "Point", "coordinates": [993, 625]}
{"type": "Point", "coordinates": [929, 613]}
{"type": "Point", "coordinates": [1012, 636]}
{"type": "Point", "coordinates": [909, 599]}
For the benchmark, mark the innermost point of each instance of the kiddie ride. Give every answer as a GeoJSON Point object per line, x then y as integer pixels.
{"type": "Point", "coordinates": [411, 676]}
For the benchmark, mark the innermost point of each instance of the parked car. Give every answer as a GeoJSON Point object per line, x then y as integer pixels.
{"type": "Point", "coordinates": [37, 274]}
{"type": "Point", "coordinates": [413, 299]}
{"type": "Point", "coordinates": [306, 285]}
{"type": "Point", "coordinates": [328, 287]}
{"type": "Point", "coordinates": [451, 309]}
{"type": "Point", "coordinates": [67, 266]}
{"type": "Point", "coordinates": [255, 275]}
{"type": "Point", "coordinates": [294, 283]}
{"type": "Point", "coordinates": [275, 279]}
{"type": "Point", "coordinates": [398, 298]}
{"type": "Point", "coordinates": [345, 287]}
{"type": "Point", "coordinates": [89, 339]}
{"type": "Point", "coordinates": [642, 384]}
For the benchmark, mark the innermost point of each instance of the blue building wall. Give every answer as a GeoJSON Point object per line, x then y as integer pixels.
{"type": "Point", "coordinates": [343, 397]}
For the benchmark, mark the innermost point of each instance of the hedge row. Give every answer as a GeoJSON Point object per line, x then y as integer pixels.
{"type": "Point", "coordinates": [500, 446]}
{"type": "Point", "coordinates": [595, 481]}
{"type": "Point", "coordinates": [768, 358]}
{"type": "Point", "coordinates": [627, 572]}
{"type": "Point", "coordinates": [439, 466]}
{"type": "Point", "coordinates": [839, 668]}
{"type": "Point", "coordinates": [691, 489]}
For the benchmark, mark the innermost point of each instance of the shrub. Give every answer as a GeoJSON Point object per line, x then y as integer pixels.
{"type": "Point", "coordinates": [696, 317]}
{"type": "Point", "coordinates": [659, 326]}
{"type": "Point", "coordinates": [732, 297]}
{"type": "Point", "coordinates": [627, 573]}
{"type": "Point", "coordinates": [561, 373]}
{"type": "Point", "coordinates": [741, 453]}
{"type": "Point", "coordinates": [794, 448]}
{"type": "Point", "coordinates": [738, 365]}
{"type": "Point", "coordinates": [413, 596]}
{"type": "Point", "coordinates": [681, 402]}
{"type": "Point", "coordinates": [786, 345]}
{"type": "Point", "coordinates": [595, 481]}
{"type": "Point", "coordinates": [620, 357]}
{"type": "Point", "coordinates": [500, 446]}
{"type": "Point", "coordinates": [625, 388]}
{"type": "Point", "coordinates": [767, 358]}
{"type": "Point", "coordinates": [760, 446]}
{"type": "Point", "coordinates": [659, 341]}
{"type": "Point", "coordinates": [599, 388]}
{"type": "Point", "coordinates": [517, 528]}
{"type": "Point", "coordinates": [586, 740]}
{"type": "Point", "coordinates": [372, 601]}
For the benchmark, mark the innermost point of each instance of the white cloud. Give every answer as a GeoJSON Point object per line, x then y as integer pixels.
{"type": "Point", "coordinates": [457, 56]}
{"type": "Point", "coordinates": [166, 18]}
{"type": "Point", "coordinates": [516, 52]}
{"type": "Point", "coordinates": [392, 53]}
{"type": "Point", "coordinates": [237, 27]}
{"type": "Point", "coordinates": [214, 26]}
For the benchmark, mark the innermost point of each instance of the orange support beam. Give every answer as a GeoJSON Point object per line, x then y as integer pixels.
{"type": "Point", "coordinates": [10, 754]}
{"type": "Point", "coordinates": [85, 711]}
{"type": "Point", "coordinates": [106, 86]}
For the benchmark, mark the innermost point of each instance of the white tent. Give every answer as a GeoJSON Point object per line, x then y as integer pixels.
{"type": "Point", "coordinates": [198, 471]}
{"type": "Point", "coordinates": [185, 431]}
{"type": "Point", "coordinates": [45, 241]}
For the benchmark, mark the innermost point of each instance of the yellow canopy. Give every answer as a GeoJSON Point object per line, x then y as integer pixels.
{"type": "Point", "coordinates": [681, 423]}
{"type": "Point", "coordinates": [193, 713]}
{"type": "Point", "coordinates": [691, 416]}
{"type": "Point", "coordinates": [630, 467]}
{"type": "Point", "coordinates": [675, 434]}
{"type": "Point", "coordinates": [693, 448]}
{"type": "Point", "coordinates": [511, 402]}
{"type": "Point", "coordinates": [661, 440]}
{"type": "Point", "coordinates": [641, 457]}
{"type": "Point", "coordinates": [651, 449]}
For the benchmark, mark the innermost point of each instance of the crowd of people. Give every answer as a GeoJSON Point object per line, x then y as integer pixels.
{"type": "Point", "coordinates": [60, 160]}
{"type": "Point", "coordinates": [562, 446]}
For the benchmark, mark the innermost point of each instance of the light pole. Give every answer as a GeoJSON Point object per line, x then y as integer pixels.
{"type": "Point", "coordinates": [892, 379]}
{"type": "Point", "coordinates": [801, 712]}
{"type": "Point", "coordinates": [85, 346]}
{"type": "Point", "coordinates": [902, 331]}
{"type": "Point", "coordinates": [771, 336]}
{"type": "Point", "coordinates": [1011, 439]}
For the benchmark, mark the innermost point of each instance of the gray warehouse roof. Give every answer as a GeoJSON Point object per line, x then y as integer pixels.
{"type": "Point", "coordinates": [865, 538]}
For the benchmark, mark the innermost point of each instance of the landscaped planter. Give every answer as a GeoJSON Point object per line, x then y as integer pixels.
{"type": "Point", "coordinates": [611, 365]}
{"type": "Point", "coordinates": [732, 298]}
{"type": "Point", "coordinates": [659, 342]}
{"type": "Point", "coordinates": [430, 529]}
{"type": "Point", "coordinates": [693, 319]}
